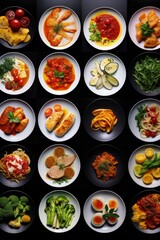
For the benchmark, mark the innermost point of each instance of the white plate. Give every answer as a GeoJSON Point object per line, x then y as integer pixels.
{"type": "Point", "coordinates": [30, 65]}
{"type": "Point", "coordinates": [43, 169]}
{"type": "Point", "coordinates": [114, 13]}
{"type": "Point", "coordinates": [120, 74]}
{"type": "Point", "coordinates": [132, 163]}
{"type": "Point", "coordinates": [65, 104]}
{"type": "Point", "coordinates": [135, 19]}
{"type": "Point", "coordinates": [29, 113]}
{"type": "Point", "coordinates": [133, 123]}
{"type": "Point", "coordinates": [73, 18]}
{"type": "Point", "coordinates": [72, 200]}
{"type": "Point", "coordinates": [106, 195]}
{"type": "Point", "coordinates": [76, 68]}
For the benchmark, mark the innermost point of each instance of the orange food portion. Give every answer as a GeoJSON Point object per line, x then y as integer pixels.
{"type": "Point", "coordinates": [105, 166]}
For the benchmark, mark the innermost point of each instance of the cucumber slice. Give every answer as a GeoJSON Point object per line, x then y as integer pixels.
{"type": "Point", "coordinates": [99, 84]}
{"type": "Point", "coordinates": [111, 68]}
{"type": "Point", "coordinates": [104, 62]}
{"type": "Point", "coordinates": [93, 81]}
{"type": "Point", "coordinates": [112, 80]}
{"type": "Point", "coordinates": [106, 83]}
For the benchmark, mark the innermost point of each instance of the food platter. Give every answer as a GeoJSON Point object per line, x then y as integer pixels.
{"type": "Point", "coordinates": [29, 113]}
{"type": "Point", "coordinates": [30, 66]}
{"type": "Point", "coordinates": [72, 36]}
{"type": "Point", "coordinates": [88, 211]}
{"type": "Point", "coordinates": [134, 20]}
{"type": "Point", "coordinates": [120, 74]}
{"type": "Point", "coordinates": [76, 69]}
{"type": "Point", "coordinates": [70, 108]}
{"type": "Point", "coordinates": [32, 28]}
{"type": "Point", "coordinates": [72, 200]}
{"type": "Point", "coordinates": [104, 103]}
{"type": "Point", "coordinates": [109, 45]}
{"type": "Point", "coordinates": [43, 169]}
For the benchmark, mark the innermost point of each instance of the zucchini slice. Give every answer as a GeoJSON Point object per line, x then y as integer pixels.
{"type": "Point", "coordinates": [93, 81]}
{"type": "Point", "coordinates": [106, 83]}
{"type": "Point", "coordinates": [112, 80]}
{"type": "Point", "coordinates": [104, 62]}
{"type": "Point", "coordinates": [111, 68]}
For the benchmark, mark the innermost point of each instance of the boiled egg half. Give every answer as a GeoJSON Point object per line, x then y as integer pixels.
{"type": "Point", "coordinates": [97, 219]}
{"type": "Point", "coordinates": [98, 203]}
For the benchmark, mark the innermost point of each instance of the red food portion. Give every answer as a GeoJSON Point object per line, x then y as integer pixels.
{"type": "Point", "coordinates": [15, 24]}
{"type": "Point", "coordinates": [108, 26]}
{"type": "Point", "coordinates": [19, 13]}
{"type": "Point", "coordinates": [10, 15]}
{"type": "Point", "coordinates": [25, 21]}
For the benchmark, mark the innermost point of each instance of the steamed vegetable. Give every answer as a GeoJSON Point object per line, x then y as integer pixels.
{"type": "Point", "coordinates": [59, 212]}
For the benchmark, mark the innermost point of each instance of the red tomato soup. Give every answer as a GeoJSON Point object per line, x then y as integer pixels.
{"type": "Point", "coordinates": [59, 73]}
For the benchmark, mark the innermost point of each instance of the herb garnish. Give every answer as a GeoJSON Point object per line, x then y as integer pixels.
{"type": "Point", "coordinates": [146, 30]}
{"type": "Point", "coordinates": [12, 118]}
{"type": "Point", "coordinates": [140, 114]}
{"type": "Point", "coordinates": [95, 34]}
{"type": "Point", "coordinates": [6, 66]}
{"type": "Point", "coordinates": [110, 212]}
{"type": "Point", "coordinates": [58, 74]}
{"type": "Point", "coordinates": [58, 27]}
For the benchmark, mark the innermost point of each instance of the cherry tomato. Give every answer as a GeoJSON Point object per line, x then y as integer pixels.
{"type": "Point", "coordinates": [10, 15]}
{"type": "Point", "coordinates": [57, 107]}
{"type": "Point", "coordinates": [25, 22]}
{"type": "Point", "coordinates": [14, 72]}
{"type": "Point", "coordinates": [15, 24]}
{"type": "Point", "coordinates": [8, 85]}
{"type": "Point", "coordinates": [153, 120]}
{"type": "Point", "coordinates": [20, 82]}
{"type": "Point", "coordinates": [48, 112]}
{"type": "Point", "coordinates": [153, 109]}
{"type": "Point", "coordinates": [153, 134]}
{"type": "Point", "coordinates": [19, 13]}
{"type": "Point", "coordinates": [148, 133]}
{"type": "Point", "coordinates": [16, 78]}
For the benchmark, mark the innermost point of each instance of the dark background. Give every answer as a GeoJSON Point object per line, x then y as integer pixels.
{"type": "Point", "coordinates": [36, 96]}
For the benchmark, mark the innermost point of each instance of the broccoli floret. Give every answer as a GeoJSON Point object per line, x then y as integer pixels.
{"type": "Point", "coordinates": [62, 200]}
{"type": "Point", "coordinates": [50, 210]}
{"type": "Point", "coordinates": [18, 210]}
{"type": "Point", "coordinates": [3, 201]}
{"type": "Point", "coordinates": [13, 199]}
{"type": "Point", "coordinates": [1, 214]}
{"type": "Point", "coordinates": [8, 211]}
{"type": "Point", "coordinates": [24, 200]}
{"type": "Point", "coordinates": [26, 209]}
{"type": "Point", "coordinates": [16, 223]}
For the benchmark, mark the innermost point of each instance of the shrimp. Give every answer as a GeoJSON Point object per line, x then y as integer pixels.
{"type": "Point", "coordinates": [55, 14]}
{"type": "Point", "coordinates": [65, 35]}
{"type": "Point", "coordinates": [64, 16]}
{"type": "Point", "coordinates": [55, 41]}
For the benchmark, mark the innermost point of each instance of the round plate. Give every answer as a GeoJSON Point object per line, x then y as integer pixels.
{"type": "Point", "coordinates": [112, 12]}
{"type": "Point", "coordinates": [133, 123]}
{"type": "Point", "coordinates": [134, 200]}
{"type": "Point", "coordinates": [131, 71]}
{"type": "Point", "coordinates": [120, 74]}
{"type": "Point", "coordinates": [9, 149]}
{"type": "Point", "coordinates": [72, 200]}
{"type": "Point", "coordinates": [104, 103]}
{"type": "Point", "coordinates": [90, 172]}
{"type": "Point", "coordinates": [43, 169]}
{"type": "Point", "coordinates": [132, 162]}
{"type": "Point", "coordinates": [30, 65]}
{"type": "Point", "coordinates": [106, 195]}
{"type": "Point", "coordinates": [67, 105]}
{"type": "Point", "coordinates": [73, 18]}
{"type": "Point", "coordinates": [29, 113]}
{"type": "Point", "coordinates": [5, 227]}
{"type": "Point", "coordinates": [76, 69]}
{"type": "Point", "coordinates": [135, 19]}
{"type": "Point", "coordinates": [32, 28]}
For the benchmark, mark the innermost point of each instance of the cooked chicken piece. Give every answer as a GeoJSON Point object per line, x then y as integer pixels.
{"type": "Point", "coordinates": [139, 34]}
{"type": "Point", "coordinates": [151, 42]}
{"type": "Point", "coordinates": [56, 40]}
{"type": "Point", "coordinates": [4, 117]}
{"type": "Point", "coordinates": [66, 160]}
{"type": "Point", "coordinates": [143, 18]}
{"type": "Point", "coordinates": [65, 15]}
{"type": "Point", "coordinates": [55, 172]}
{"type": "Point", "coordinates": [152, 19]}
{"type": "Point", "coordinates": [157, 30]}
{"type": "Point", "coordinates": [22, 125]}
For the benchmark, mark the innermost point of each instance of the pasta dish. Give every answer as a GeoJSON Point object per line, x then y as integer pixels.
{"type": "Point", "coordinates": [104, 120]}
{"type": "Point", "coordinates": [15, 166]}
{"type": "Point", "coordinates": [148, 120]}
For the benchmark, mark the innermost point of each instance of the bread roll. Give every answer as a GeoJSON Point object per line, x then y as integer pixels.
{"type": "Point", "coordinates": [65, 125]}
{"type": "Point", "coordinates": [52, 120]}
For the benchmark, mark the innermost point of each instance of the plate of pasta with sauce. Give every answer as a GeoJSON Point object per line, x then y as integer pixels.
{"type": "Point", "coordinates": [59, 73]}
{"type": "Point", "coordinates": [104, 119]}
{"type": "Point", "coordinates": [144, 120]}
{"type": "Point", "coordinates": [17, 120]}
{"type": "Point", "coordinates": [16, 165]}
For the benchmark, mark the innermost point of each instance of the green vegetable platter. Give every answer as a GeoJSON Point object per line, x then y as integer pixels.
{"type": "Point", "coordinates": [59, 211]}
{"type": "Point", "coordinates": [144, 73]}
{"type": "Point", "coordinates": [17, 211]}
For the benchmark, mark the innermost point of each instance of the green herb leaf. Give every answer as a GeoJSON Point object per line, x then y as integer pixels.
{"type": "Point", "coordinates": [146, 30]}
{"type": "Point", "coordinates": [6, 66]}
{"type": "Point", "coordinates": [58, 74]}
{"type": "Point", "coordinates": [58, 27]}
{"type": "Point", "coordinates": [12, 118]}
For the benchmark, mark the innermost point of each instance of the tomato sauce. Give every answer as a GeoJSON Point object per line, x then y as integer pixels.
{"type": "Point", "coordinates": [59, 73]}
{"type": "Point", "coordinates": [108, 26]}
